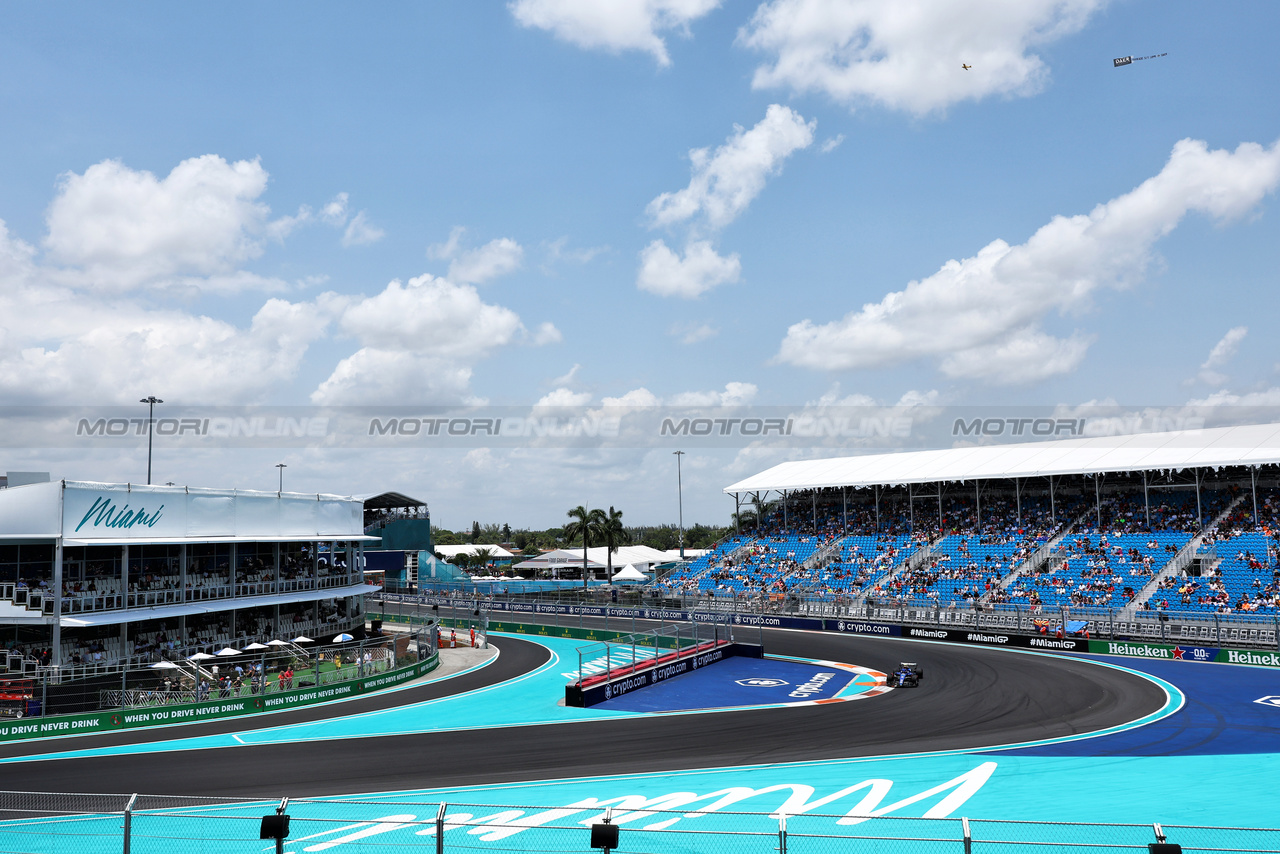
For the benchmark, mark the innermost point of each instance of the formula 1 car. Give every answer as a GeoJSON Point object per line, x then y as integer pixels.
{"type": "Point", "coordinates": [908, 675]}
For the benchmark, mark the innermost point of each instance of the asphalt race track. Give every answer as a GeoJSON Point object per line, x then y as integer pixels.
{"type": "Point", "coordinates": [970, 698]}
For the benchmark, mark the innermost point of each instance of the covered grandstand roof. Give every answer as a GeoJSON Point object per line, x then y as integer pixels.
{"type": "Point", "coordinates": [387, 500]}
{"type": "Point", "coordinates": [1250, 445]}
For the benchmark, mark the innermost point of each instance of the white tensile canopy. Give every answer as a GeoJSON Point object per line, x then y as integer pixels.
{"type": "Point", "coordinates": [629, 573]}
{"type": "Point", "coordinates": [1177, 450]}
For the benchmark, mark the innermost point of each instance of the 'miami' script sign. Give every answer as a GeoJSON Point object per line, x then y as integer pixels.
{"type": "Point", "coordinates": [105, 513]}
{"type": "Point", "coordinates": [123, 514]}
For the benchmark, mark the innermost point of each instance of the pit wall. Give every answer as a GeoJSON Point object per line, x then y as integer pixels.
{"type": "Point", "coordinates": [144, 716]}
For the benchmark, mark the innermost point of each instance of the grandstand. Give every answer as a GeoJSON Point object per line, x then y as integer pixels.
{"type": "Point", "coordinates": [1135, 527]}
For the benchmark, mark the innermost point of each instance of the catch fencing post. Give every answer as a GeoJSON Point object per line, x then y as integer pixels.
{"type": "Point", "coordinates": [128, 821]}
{"type": "Point", "coordinates": [440, 828]}
{"type": "Point", "coordinates": [968, 837]}
{"type": "Point", "coordinates": [782, 834]}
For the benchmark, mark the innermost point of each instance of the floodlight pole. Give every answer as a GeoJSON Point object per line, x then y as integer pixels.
{"type": "Point", "coordinates": [150, 400]}
{"type": "Point", "coordinates": [282, 467]}
{"type": "Point", "coordinates": [680, 499]}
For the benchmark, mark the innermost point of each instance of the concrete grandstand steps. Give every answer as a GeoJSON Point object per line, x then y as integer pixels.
{"type": "Point", "coordinates": [1177, 563]}
{"type": "Point", "coordinates": [833, 549]}
{"type": "Point", "coordinates": [913, 560]}
{"type": "Point", "coordinates": [1037, 558]}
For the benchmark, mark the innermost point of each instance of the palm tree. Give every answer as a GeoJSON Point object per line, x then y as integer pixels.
{"type": "Point", "coordinates": [481, 557]}
{"type": "Point", "coordinates": [586, 523]}
{"type": "Point", "coordinates": [612, 534]}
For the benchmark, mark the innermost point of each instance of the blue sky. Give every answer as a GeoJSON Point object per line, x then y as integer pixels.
{"type": "Point", "coordinates": [211, 207]}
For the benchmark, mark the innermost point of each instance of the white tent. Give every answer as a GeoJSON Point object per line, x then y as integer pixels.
{"type": "Point", "coordinates": [630, 573]}
{"type": "Point", "coordinates": [1257, 444]}
{"type": "Point", "coordinates": [598, 557]}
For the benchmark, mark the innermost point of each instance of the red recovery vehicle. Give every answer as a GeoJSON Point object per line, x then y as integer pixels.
{"type": "Point", "coordinates": [17, 698]}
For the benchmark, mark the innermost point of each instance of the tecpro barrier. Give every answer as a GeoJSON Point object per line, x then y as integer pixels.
{"type": "Point", "coordinates": [651, 673]}
{"type": "Point", "coordinates": [132, 718]}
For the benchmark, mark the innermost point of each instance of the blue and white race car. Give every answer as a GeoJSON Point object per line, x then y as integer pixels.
{"type": "Point", "coordinates": [908, 675]}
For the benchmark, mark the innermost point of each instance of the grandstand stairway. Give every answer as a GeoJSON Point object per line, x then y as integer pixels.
{"type": "Point", "coordinates": [1039, 557]}
{"type": "Point", "coordinates": [1176, 564]}
{"type": "Point", "coordinates": [912, 561]}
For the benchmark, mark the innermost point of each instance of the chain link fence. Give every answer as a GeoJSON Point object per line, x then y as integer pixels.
{"type": "Point", "coordinates": [52, 823]}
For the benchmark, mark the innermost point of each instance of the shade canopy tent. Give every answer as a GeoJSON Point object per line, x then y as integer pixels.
{"type": "Point", "coordinates": [630, 574]}
{"type": "Point", "coordinates": [1178, 450]}
{"type": "Point", "coordinates": [597, 558]}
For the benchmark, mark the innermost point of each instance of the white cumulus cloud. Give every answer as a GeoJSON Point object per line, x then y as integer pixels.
{"type": "Point", "coordinates": [1222, 353]}
{"type": "Point", "coordinates": [979, 316]}
{"type": "Point", "coordinates": [666, 273]}
{"type": "Point", "coordinates": [637, 398]}
{"type": "Point", "coordinates": [361, 232]}
{"type": "Point", "coordinates": [1025, 356]}
{"type": "Point", "coordinates": [722, 186]}
{"type": "Point", "coordinates": [419, 340]}
{"type": "Point", "coordinates": [734, 394]}
{"type": "Point", "coordinates": [725, 181]}
{"type": "Point", "coordinates": [908, 56]}
{"type": "Point", "coordinates": [124, 227]}
{"type": "Point", "coordinates": [693, 333]}
{"type": "Point", "coordinates": [334, 212]}
{"type": "Point", "coordinates": [496, 258]}
{"type": "Point", "coordinates": [615, 25]}
{"type": "Point", "coordinates": [81, 346]}
{"type": "Point", "coordinates": [547, 333]}
{"type": "Point", "coordinates": [69, 334]}
{"type": "Point", "coordinates": [564, 397]}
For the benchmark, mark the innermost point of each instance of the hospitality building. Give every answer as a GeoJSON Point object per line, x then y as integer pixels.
{"type": "Point", "coordinates": [103, 574]}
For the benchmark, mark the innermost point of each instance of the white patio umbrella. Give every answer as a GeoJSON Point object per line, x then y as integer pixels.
{"type": "Point", "coordinates": [226, 650]}
{"type": "Point", "coordinates": [256, 645]}
{"type": "Point", "coordinates": [277, 643]}
{"type": "Point", "coordinates": [303, 639]}
{"type": "Point", "coordinates": [200, 656]}
{"type": "Point", "coordinates": [343, 638]}
{"type": "Point", "coordinates": [164, 665]}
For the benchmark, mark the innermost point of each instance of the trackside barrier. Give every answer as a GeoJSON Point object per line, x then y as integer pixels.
{"type": "Point", "coordinates": [1136, 648]}
{"type": "Point", "coordinates": [625, 678]}
{"type": "Point", "coordinates": [754, 823]}
{"type": "Point", "coordinates": [620, 665]}
{"type": "Point", "coordinates": [118, 719]}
